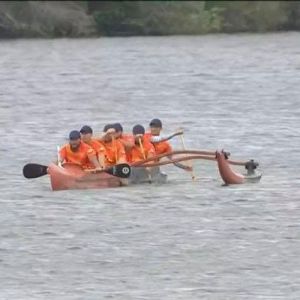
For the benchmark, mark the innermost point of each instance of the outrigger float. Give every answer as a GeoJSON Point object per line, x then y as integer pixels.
{"type": "Point", "coordinates": [71, 176]}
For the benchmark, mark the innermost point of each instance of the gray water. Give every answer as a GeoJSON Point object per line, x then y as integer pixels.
{"type": "Point", "coordinates": [181, 240]}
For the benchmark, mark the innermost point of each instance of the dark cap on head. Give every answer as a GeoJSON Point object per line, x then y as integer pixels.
{"type": "Point", "coordinates": [156, 123]}
{"type": "Point", "coordinates": [138, 129]}
{"type": "Point", "coordinates": [86, 129]}
{"type": "Point", "coordinates": [107, 126]}
{"type": "Point", "coordinates": [118, 127]}
{"type": "Point", "coordinates": [74, 135]}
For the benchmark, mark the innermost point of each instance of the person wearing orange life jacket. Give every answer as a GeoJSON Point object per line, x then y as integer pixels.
{"type": "Point", "coordinates": [126, 139]}
{"type": "Point", "coordinates": [160, 143]}
{"type": "Point", "coordinates": [87, 137]}
{"type": "Point", "coordinates": [114, 149]}
{"type": "Point", "coordinates": [142, 148]}
{"type": "Point", "coordinates": [77, 152]}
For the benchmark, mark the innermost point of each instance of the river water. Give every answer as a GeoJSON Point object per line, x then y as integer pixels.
{"type": "Point", "coordinates": [182, 240]}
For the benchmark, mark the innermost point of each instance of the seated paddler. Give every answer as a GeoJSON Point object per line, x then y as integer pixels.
{"type": "Point", "coordinates": [142, 148]}
{"type": "Point", "coordinates": [78, 152]}
{"type": "Point", "coordinates": [125, 138]}
{"type": "Point", "coordinates": [114, 150]}
{"type": "Point", "coordinates": [160, 142]}
{"type": "Point", "coordinates": [86, 133]}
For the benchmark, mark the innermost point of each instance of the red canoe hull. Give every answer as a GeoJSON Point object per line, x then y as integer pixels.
{"type": "Point", "coordinates": [71, 176]}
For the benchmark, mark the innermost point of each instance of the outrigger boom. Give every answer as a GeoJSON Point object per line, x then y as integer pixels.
{"type": "Point", "coordinates": [228, 175]}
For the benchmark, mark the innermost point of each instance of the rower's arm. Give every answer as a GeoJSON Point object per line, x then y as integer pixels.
{"type": "Point", "coordinates": [158, 139]}
{"type": "Point", "coordinates": [150, 154]}
{"type": "Point", "coordinates": [127, 145]}
{"type": "Point", "coordinates": [93, 159]}
{"type": "Point", "coordinates": [101, 159]}
{"type": "Point", "coordinates": [92, 156]}
{"type": "Point", "coordinates": [121, 153]}
{"type": "Point", "coordinates": [122, 159]}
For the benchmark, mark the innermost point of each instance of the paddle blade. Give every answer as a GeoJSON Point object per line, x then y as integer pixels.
{"type": "Point", "coordinates": [34, 170]}
{"type": "Point", "coordinates": [120, 170]}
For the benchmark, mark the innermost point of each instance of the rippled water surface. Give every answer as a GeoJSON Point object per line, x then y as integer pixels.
{"type": "Point", "coordinates": [181, 240]}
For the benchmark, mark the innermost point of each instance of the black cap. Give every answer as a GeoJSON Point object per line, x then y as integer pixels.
{"type": "Point", "coordinates": [74, 135]}
{"type": "Point", "coordinates": [118, 127]}
{"type": "Point", "coordinates": [86, 129]}
{"type": "Point", "coordinates": [107, 126]}
{"type": "Point", "coordinates": [138, 129]}
{"type": "Point", "coordinates": [156, 123]}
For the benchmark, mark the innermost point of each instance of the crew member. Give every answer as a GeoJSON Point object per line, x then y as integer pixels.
{"type": "Point", "coordinates": [77, 152]}
{"type": "Point", "coordinates": [125, 138]}
{"type": "Point", "coordinates": [114, 149]}
{"type": "Point", "coordinates": [142, 148]}
{"type": "Point", "coordinates": [87, 137]}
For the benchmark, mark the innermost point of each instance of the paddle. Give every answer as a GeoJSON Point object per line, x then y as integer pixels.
{"type": "Point", "coordinates": [35, 170]}
{"type": "Point", "coordinates": [190, 162]}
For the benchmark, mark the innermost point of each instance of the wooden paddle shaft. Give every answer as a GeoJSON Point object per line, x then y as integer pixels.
{"type": "Point", "coordinates": [190, 162]}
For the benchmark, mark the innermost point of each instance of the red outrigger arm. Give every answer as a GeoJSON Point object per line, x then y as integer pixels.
{"type": "Point", "coordinates": [229, 176]}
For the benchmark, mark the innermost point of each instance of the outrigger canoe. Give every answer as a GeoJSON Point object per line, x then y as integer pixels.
{"type": "Point", "coordinates": [71, 176]}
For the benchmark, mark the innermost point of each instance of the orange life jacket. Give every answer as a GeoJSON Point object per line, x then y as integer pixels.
{"type": "Point", "coordinates": [80, 157]}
